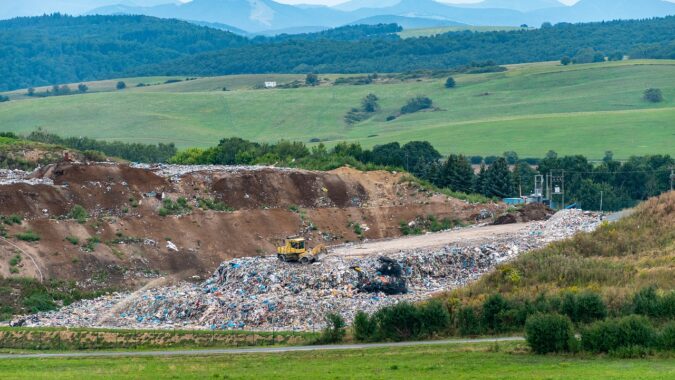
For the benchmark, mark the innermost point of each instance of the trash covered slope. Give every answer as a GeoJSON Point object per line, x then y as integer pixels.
{"type": "Point", "coordinates": [264, 293]}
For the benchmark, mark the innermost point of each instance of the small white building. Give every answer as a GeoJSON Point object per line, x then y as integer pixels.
{"type": "Point", "coordinates": [270, 84]}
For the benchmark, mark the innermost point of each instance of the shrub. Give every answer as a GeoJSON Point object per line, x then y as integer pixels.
{"type": "Point", "coordinates": [653, 95]}
{"type": "Point", "coordinates": [28, 236]}
{"type": "Point", "coordinates": [417, 104]}
{"type": "Point", "coordinates": [78, 213]}
{"type": "Point", "coordinates": [73, 240]}
{"type": "Point", "coordinates": [546, 333]}
{"type": "Point", "coordinates": [667, 337]}
{"type": "Point", "coordinates": [179, 207]}
{"type": "Point", "coordinates": [611, 334]}
{"type": "Point", "coordinates": [94, 155]}
{"type": "Point", "coordinates": [435, 317]}
{"type": "Point", "coordinates": [212, 204]}
{"type": "Point", "coordinates": [364, 327]}
{"type": "Point", "coordinates": [121, 85]}
{"type": "Point", "coordinates": [38, 302]}
{"type": "Point", "coordinates": [468, 322]}
{"type": "Point", "coordinates": [450, 83]}
{"type": "Point", "coordinates": [398, 322]}
{"type": "Point", "coordinates": [584, 308]}
{"type": "Point", "coordinates": [493, 311]}
{"type": "Point", "coordinates": [335, 329]}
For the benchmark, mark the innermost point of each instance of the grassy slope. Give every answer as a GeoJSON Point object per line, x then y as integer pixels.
{"type": "Point", "coordinates": [583, 109]}
{"type": "Point", "coordinates": [617, 260]}
{"type": "Point", "coordinates": [432, 362]}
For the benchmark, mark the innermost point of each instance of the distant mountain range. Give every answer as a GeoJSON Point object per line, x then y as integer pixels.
{"type": "Point", "coordinates": [268, 16]}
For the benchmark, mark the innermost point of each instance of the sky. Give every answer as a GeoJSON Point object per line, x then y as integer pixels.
{"type": "Point", "coordinates": [335, 2]}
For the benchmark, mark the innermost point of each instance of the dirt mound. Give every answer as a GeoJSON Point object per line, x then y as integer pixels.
{"type": "Point", "coordinates": [529, 213]}
{"type": "Point", "coordinates": [125, 241]}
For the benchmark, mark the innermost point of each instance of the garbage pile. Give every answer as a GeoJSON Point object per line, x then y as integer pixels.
{"type": "Point", "coordinates": [174, 172]}
{"type": "Point", "coordinates": [261, 293]}
{"type": "Point", "coordinates": [16, 176]}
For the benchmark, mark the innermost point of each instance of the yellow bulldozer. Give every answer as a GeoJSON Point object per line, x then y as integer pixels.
{"type": "Point", "coordinates": [295, 249]}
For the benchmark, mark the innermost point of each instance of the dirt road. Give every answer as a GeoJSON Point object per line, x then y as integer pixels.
{"type": "Point", "coordinates": [264, 350]}
{"type": "Point", "coordinates": [428, 241]}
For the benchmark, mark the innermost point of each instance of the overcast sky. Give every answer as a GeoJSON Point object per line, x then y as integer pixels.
{"type": "Point", "coordinates": [334, 2]}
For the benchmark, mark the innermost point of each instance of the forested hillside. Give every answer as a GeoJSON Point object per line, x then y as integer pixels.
{"type": "Point", "coordinates": [60, 49]}
{"type": "Point", "coordinates": [645, 39]}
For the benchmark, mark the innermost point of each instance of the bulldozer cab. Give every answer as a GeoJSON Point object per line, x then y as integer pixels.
{"type": "Point", "coordinates": [296, 244]}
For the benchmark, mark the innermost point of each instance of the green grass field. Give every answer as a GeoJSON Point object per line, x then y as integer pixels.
{"type": "Point", "coordinates": [532, 108]}
{"type": "Point", "coordinates": [426, 32]}
{"type": "Point", "coordinates": [423, 362]}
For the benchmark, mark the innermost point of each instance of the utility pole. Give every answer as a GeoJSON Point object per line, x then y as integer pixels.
{"type": "Point", "coordinates": [601, 201]}
{"type": "Point", "coordinates": [672, 177]}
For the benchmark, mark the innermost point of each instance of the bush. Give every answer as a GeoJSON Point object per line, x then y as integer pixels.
{"type": "Point", "coordinates": [494, 309]}
{"type": "Point", "coordinates": [450, 83]}
{"type": "Point", "coordinates": [73, 240]}
{"type": "Point", "coordinates": [653, 95]}
{"type": "Point", "coordinates": [38, 302]}
{"type": "Point", "coordinates": [121, 85]}
{"type": "Point", "coordinates": [78, 213]}
{"type": "Point", "coordinates": [613, 334]}
{"type": "Point", "coordinates": [468, 321]}
{"type": "Point", "coordinates": [335, 329]}
{"type": "Point", "coordinates": [435, 318]}
{"type": "Point", "coordinates": [179, 207]}
{"type": "Point", "coordinates": [398, 322]}
{"type": "Point", "coordinates": [584, 308]}
{"type": "Point", "coordinates": [94, 155]}
{"type": "Point", "coordinates": [28, 236]}
{"type": "Point", "coordinates": [546, 333]}
{"type": "Point", "coordinates": [364, 327]}
{"type": "Point", "coordinates": [417, 104]}
{"type": "Point", "coordinates": [667, 337]}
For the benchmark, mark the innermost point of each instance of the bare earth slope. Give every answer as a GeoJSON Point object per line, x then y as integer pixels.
{"type": "Point", "coordinates": [125, 242]}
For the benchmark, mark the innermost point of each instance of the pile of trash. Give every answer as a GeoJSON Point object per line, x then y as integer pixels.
{"type": "Point", "coordinates": [177, 171]}
{"type": "Point", "coordinates": [262, 293]}
{"type": "Point", "coordinates": [16, 176]}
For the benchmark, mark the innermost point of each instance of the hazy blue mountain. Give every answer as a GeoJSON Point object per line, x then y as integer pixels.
{"type": "Point", "coordinates": [599, 10]}
{"type": "Point", "coordinates": [359, 4]}
{"type": "Point", "coordinates": [406, 22]}
{"type": "Point", "coordinates": [15, 8]}
{"type": "Point", "coordinates": [267, 16]}
{"type": "Point", "coordinates": [436, 10]}
{"type": "Point", "coordinates": [519, 5]}
{"type": "Point", "coordinates": [252, 16]}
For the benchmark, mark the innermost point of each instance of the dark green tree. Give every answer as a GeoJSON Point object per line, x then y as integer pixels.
{"type": "Point", "coordinates": [457, 174]}
{"type": "Point", "coordinates": [121, 85]}
{"type": "Point", "coordinates": [312, 79]}
{"type": "Point", "coordinates": [450, 83]}
{"type": "Point", "coordinates": [499, 182]}
{"type": "Point", "coordinates": [565, 60]}
{"type": "Point", "coordinates": [82, 88]}
{"type": "Point", "coordinates": [654, 95]}
{"type": "Point", "coordinates": [370, 103]}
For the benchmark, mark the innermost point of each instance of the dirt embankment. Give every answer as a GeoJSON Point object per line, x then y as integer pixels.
{"type": "Point", "coordinates": [125, 242]}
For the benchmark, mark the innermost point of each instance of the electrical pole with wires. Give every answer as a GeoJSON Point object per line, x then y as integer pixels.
{"type": "Point", "coordinates": [672, 177]}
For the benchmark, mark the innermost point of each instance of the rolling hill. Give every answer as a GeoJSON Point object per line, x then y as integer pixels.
{"type": "Point", "coordinates": [578, 109]}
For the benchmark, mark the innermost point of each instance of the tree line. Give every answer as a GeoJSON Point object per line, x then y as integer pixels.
{"type": "Point", "coordinates": [92, 148]}
{"type": "Point", "coordinates": [638, 39]}
{"type": "Point", "coordinates": [620, 184]}
{"type": "Point", "coordinates": [52, 50]}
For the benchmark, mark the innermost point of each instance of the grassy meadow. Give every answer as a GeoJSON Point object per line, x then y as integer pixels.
{"type": "Point", "coordinates": [531, 108]}
{"type": "Point", "coordinates": [426, 32]}
{"type": "Point", "coordinates": [469, 361]}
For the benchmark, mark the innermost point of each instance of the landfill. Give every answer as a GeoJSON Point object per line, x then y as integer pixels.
{"type": "Point", "coordinates": [262, 293]}
{"type": "Point", "coordinates": [16, 176]}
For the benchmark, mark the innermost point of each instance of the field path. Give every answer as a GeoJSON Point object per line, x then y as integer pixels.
{"type": "Point", "coordinates": [238, 351]}
{"type": "Point", "coordinates": [428, 241]}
